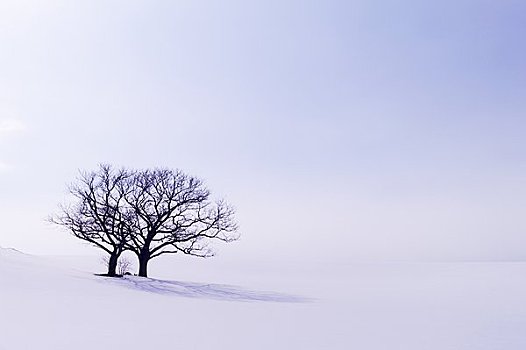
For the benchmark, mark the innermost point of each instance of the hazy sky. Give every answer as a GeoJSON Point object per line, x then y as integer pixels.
{"type": "Point", "coordinates": [339, 129]}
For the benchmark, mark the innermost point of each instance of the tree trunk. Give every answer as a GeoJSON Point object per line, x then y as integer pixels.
{"type": "Point", "coordinates": [144, 258]}
{"type": "Point", "coordinates": [112, 265]}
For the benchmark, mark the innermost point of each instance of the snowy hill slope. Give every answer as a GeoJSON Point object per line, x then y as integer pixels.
{"type": "Point", "coordinates": [228, 305]}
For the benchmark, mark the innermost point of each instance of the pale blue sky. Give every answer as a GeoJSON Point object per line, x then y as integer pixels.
{"type": "Point", "coordinates": [342, 129]}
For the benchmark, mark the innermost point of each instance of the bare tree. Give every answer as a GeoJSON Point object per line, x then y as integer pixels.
{"type": "Point", "coordinates": [173, 213]}
{"type": "Point", "coordinates": [99, 215]}
{"type": "Point", "coordinates": [124, 266]}
{"type": "Point", "coordinates": [149, 212]}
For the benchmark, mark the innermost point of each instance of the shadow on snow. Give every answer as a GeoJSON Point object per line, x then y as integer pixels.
{"type": "Point", "coordinates": [202, 290]}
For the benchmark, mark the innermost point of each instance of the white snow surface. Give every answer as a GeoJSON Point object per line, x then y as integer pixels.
{"type": "Point", "coordinates": [57, 303]}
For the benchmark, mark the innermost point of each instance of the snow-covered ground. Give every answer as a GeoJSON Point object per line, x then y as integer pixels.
{"type": "Point", "coordinates": [57, 303]}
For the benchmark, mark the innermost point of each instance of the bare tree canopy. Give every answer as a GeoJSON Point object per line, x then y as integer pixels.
{"type": "Point", "coordinates": [174, 214]}
{"type": "Point", "coordinates": [97, 215]}
{"type": "Point", "coordinates": [149, 212]}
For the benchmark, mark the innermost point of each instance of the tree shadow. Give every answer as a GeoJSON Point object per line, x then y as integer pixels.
{"type": "Point", "coordinates": [203, 290]}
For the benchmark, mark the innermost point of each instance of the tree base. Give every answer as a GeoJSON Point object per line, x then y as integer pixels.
{"type": "Point", "coordinates": [106, 275]}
